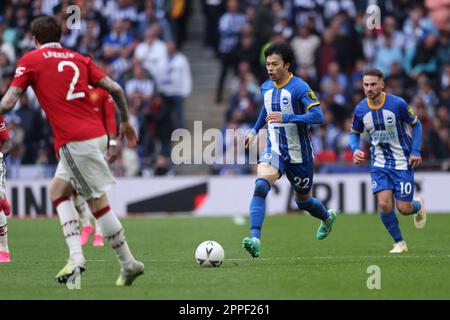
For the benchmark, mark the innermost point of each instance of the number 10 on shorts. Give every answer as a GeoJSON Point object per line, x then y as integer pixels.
{"type": "Point", "coordinates": [405, 188]}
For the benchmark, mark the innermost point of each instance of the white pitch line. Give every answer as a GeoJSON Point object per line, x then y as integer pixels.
{"type": "Point", "coordinates": [263, 259]}
{"type": "Point", "coordinates": [346, 257]}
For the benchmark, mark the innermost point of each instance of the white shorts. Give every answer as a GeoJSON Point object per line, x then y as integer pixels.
{"type": "Point", "coordinates": [2, 178]}
{"type": "Point", "coordinates": [84, 165]}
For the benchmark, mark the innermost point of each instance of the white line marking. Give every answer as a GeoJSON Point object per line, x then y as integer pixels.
{"type": "Point", "coordinates": [262, 259]}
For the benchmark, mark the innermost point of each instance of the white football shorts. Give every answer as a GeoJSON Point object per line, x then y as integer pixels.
{"type": "Point", "coordinates": [2, 178]}
{"type": "Point", "coordinates": [84, 165]}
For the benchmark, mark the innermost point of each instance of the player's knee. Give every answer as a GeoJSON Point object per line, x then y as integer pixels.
{"type": "Point", "coordinates": [55, 191]}
{"type": "Point", "coordinates": [262, 188]}
{"type": "Point", "coordinates": [385, 206]}
{"type": "Point", "coordinates": [97, 204]}
{"type": "Point", "coordinates": [404, 208]}
{"type": "Point", "coordinates": [304, 205]}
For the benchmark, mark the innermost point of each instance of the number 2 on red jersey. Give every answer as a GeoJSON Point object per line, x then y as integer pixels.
{"type": "Point", "coordinates": [71, 94]}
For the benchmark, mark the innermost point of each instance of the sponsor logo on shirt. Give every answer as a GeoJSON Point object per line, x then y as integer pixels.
{"type": "Point", "coordinates": [382, 136]}
{"type": "Point", "coordinates": [19, 72]}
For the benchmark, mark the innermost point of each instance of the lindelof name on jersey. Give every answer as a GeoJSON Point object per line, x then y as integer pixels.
{"type": "Point", "coordinates": [59, 55]}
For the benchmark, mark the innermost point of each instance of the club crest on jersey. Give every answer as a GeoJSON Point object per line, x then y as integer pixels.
{"type": "Point", "coordinates": [411, 111]}
{"type": "Point", "coordinates": [93, 96]}
{"type": "Point", "coordinates": [311, 95]}
{"type": "Point", "coordinates": [284, 101]}
{"type": "Point", "coordinates": [268, 156]}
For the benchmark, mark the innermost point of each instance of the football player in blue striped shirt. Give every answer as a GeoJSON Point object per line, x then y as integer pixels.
{"type": "Point", "coordinates": [289, 107]}
{"type": "Point", "coordinates": [394, 154]}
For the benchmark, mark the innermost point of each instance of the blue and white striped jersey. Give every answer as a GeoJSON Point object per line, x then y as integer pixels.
{"type": "Point", "coordinates": [387, 125]}
{"type": "Point", "coordinates": [291, 140]}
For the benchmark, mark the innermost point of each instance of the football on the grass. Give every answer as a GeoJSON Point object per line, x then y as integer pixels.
{"type": "Point", "coordinates": [209, 254]}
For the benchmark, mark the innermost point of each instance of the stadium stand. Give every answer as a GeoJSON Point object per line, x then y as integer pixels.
{"type": "Point", "coordinates": [221, 42]}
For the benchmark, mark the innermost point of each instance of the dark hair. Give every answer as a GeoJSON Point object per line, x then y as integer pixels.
{"type": "Point", "coordinates": [374, 72]}
{"type": "Point", "coordinates": [46, 29]}
{"type": "Point", "coordinates": [283, 49]}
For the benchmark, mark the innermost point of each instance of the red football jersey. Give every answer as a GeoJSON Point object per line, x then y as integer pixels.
{"type": "Point", "coordinates": [4, 135]}
{"type": "Point", "coordinates": [104, 106]}
{"type": "Point", "coordinates": [60, 79]}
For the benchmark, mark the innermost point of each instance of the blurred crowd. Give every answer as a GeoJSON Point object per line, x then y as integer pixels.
{"type": "Point", "coordinates": [135, 42]}
{"type": "Point", "coordinates": [333, 42]}
{"type": "Point", "coordinates": [138, 43]}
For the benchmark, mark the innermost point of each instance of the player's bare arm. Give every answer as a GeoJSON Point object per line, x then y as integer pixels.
{"type": "Point", "coordinates": [10, 98]}
{"type": "Point", "coordinates": [116, 91]}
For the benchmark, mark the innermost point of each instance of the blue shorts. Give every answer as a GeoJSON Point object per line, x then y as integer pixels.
{"type": "Point", "coordinates": [400, 181]}
{"type": "Point", "coordinates": [300, 175]}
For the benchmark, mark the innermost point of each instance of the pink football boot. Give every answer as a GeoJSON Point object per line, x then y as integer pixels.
{"type": "Point", "coordinates": [86, 232]}
{"type": "Point", "coordinates": [5, 257]}
{"type": "Point", "coordinates": [98, 241]}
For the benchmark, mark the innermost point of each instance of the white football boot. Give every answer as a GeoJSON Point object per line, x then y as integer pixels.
{"type": "Point", "coordinates": [127, 276]}
{"type": "Point", "coordinates": [420, 218]}
{"type": "Point", "coordinates": [399, 247]}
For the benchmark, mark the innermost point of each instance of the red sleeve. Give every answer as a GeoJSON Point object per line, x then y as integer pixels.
{"type": "Point", "coordinates": [4, 135]}
{"type": "Point", "coordinates": [109, 114]}
{"type": "Point", "coordinates": [95, 74]}
{"type": "Point", "coordinates": [24, 74]}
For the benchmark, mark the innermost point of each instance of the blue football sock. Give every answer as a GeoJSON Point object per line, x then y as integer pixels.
{"type": "Point", "coordinates": [315, 207]}
{"type": "Point", "coordinates": [416, 206]}
{"type": "Point", "coordinates": [390, 221]}
{"type": "Point", "coordinates": [258, 207]}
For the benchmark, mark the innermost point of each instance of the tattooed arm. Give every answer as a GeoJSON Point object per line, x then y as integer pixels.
{"type": "Point", "coordinates": [116, 91]}
{"type": "Point", "coordinates": [9, 99]}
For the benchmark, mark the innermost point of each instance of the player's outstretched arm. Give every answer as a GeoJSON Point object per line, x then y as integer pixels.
{"type": "Point", "coordinates": [415, 159]}
{"type": "Point", "coordinates": [116, 91]}
{"type": "Point", "coordinates": [313, 116]}
{"type": "Point", "coordinates": [10, 98]}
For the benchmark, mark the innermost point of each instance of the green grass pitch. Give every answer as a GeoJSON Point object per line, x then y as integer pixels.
{"type": "Point", "coordinates": [293, 264]}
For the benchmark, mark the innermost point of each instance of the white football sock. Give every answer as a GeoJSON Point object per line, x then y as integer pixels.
{"type": "Point", "coordinates": [114, 233]}
{"type": "Point", "coordinates": [98, 228]}
{"type": "Point", "coordinates": [68, 218]}
{"type": "Point", "coordinates": [3, 232]}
